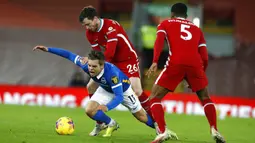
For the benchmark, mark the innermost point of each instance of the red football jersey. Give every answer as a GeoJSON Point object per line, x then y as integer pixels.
{"type": "Point", "coordinates": [183, 38]}
{"type": "Point", "coordinates": [112, 39]}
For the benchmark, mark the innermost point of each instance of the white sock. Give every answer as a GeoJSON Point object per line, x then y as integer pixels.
{"type": "Point", "coordinates": [112, 123]}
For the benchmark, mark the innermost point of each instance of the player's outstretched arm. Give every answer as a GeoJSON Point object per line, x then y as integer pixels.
{"type": "Point", "coordinates": [57, 51]}
{"type": "Point", "coordinates": [63, 53]}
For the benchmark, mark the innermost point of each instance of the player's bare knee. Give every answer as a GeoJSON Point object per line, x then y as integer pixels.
{"type": "Point", "coordinates": [203, 94]}
{"type": "Point", "coordinates": [90, 112]}
{"type": "Point", "coordinates": [91, 108]}
{"type": "Point", "coordinates": [154, 94]}
{"type": "Point", "coordinates": [158, 92]}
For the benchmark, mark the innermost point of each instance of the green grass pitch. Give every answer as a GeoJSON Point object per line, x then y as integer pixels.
{"type": "Point", "coordinates": [27, 124]}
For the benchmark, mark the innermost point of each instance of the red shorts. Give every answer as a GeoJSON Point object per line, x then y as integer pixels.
{"type": "Point", "coordinates": [171, 76]}
{"type": "Point", "coordinates": [130, 67]}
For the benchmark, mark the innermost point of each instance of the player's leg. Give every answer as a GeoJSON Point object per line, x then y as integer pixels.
{"type": "Point", "coordinates": [91, 87]}
{"type": "Point", "coordinates": [210, 113]}
{"type": "Point", "coordinates": [166, 82]}
{"type": "Point", "coordinates": [142, 96]}
{"type": "Point", "coordinates": [198, 82]}
{"type": "Point", "coordinates": [103, 97]}
{"type": "Point", "coordinates": [132, 103]}
{"type": "Point", "coordinates": [157, 94]}
{"type": "Point", "coordinates": [100, 97]}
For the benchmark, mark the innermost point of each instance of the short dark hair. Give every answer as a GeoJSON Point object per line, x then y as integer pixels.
{"type": "Point", "coordinates": [179, 9]}
{"type": "Point", "coordinates": [87, 12]}
{"type": "Point", "coordinates": [97, 55]}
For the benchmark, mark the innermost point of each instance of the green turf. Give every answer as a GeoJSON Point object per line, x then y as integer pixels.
{"type": "Point", "coordinates": [25, 124]}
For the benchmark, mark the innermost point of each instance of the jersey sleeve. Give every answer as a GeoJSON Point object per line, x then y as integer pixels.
{"type": "Point", "coordinates": [76, 59]}
{"type": "Point", "coordinates": [159, 43]}
{"type": "Point", "coordinates": [112, 40]}
{"type": "Point", "coordinates": [202, 41]}
{"type": "Point", "coordinates": [92, 42]}
{"type": "Point", "coordinates": [203, 50]}
{"type": "Point", "coordinates": [117, 89]}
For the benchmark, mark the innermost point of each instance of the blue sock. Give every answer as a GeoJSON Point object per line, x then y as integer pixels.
{"type": "Point", "coordinates": [100, 116]}
{"type": "Point", "coordinates": [150, 122]}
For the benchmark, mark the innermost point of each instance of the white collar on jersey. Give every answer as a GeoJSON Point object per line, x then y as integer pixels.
{"type": "Point", "coordinates": [180, 18]}
{"type": "Point", "coordinates": [101, 24]}
{"type": "Point", "coordinates": [100, 74]}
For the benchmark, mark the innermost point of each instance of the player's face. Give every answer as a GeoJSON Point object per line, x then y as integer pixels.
{"type": "Point", "coordinates": [90, 24]}
{"type": "Point", "coordinates": [94, 67]}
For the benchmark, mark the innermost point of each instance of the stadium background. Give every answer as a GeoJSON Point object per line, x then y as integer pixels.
{"type": "Point", "coordinates": [29, 78]}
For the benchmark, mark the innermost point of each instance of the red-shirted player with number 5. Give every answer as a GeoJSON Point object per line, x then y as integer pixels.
{"type": "Point", "coordinates": [188, 59]}
{"type": "Point", "coordinates": [109, 36]}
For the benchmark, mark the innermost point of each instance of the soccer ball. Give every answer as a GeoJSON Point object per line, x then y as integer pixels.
{"type": "Point", "coordinates": [64, 126]}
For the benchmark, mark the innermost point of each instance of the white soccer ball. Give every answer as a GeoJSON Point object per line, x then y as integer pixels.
{"type": "Point", "coordinates": [64, 126]}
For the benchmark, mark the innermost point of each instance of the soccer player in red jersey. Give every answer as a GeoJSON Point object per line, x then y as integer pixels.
{"type": "Point", "coordinates": [110, 37]}
{"type": "Point", "coordinates": [188, 59]}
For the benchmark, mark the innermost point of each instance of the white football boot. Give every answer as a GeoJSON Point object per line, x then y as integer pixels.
{"type": "Point", "coordinates": [98, 128]}
{"type": "Point", "coordinates": [168, 134]}
{"type": "Point", "coordinates": [217, 136]}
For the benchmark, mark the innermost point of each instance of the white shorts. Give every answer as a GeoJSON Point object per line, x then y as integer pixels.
{"type": "Point", "coordinates": [130, 100]}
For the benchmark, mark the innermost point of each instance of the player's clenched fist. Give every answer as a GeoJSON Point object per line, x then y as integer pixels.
{"type": "Point", "coordinates": [43, 48]}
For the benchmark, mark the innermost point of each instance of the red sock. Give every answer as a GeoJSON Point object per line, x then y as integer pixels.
{"type": "Point", "coordinates": [144, 99]}
{"type": "Point", "coordinates": [210, 112]}
{"type": "Point", "coordinates": [90, 95]}
{"type": "Point", "coordinates": [158, 113]}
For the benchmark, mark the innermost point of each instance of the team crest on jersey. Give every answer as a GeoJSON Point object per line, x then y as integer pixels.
{"type": "Point", "coordinates": [115, 80]}
{"type": "Point", "coordinates": [103, 80]}
{"type": "Point", "coordinates": [110, 28]}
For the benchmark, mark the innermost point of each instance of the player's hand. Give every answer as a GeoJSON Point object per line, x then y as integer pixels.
{"type": "Point", "coordinates": [152, 69]}
{"type": "Point", "coordinates": [42, 48]}
{"type": "Point", "coordinates": [84, 59]}
{"type": "Point", "coordinates": [103, 108]}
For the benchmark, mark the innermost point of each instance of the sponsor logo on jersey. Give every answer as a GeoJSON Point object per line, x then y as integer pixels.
{"type": "Point", "coordinates": [126, 81]}
{"type": "Point", "coordinates": [110, 30]}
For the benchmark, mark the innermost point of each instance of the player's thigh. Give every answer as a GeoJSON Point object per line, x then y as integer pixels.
{"type": "Point", "coordinates": [92, 86]}
{"type": "Point", "coordinates": [129, 68]}
{"type": "Point", "coordinates": [131, 101]}
{"type": "Point", "coordinates": [136, 85]}
{"type": "Point", "coordinates": [170, 77]}
{"type": "Point", "coordinates": [196, 78]}
{"type": "Point", "coordinates": [101, 96]}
